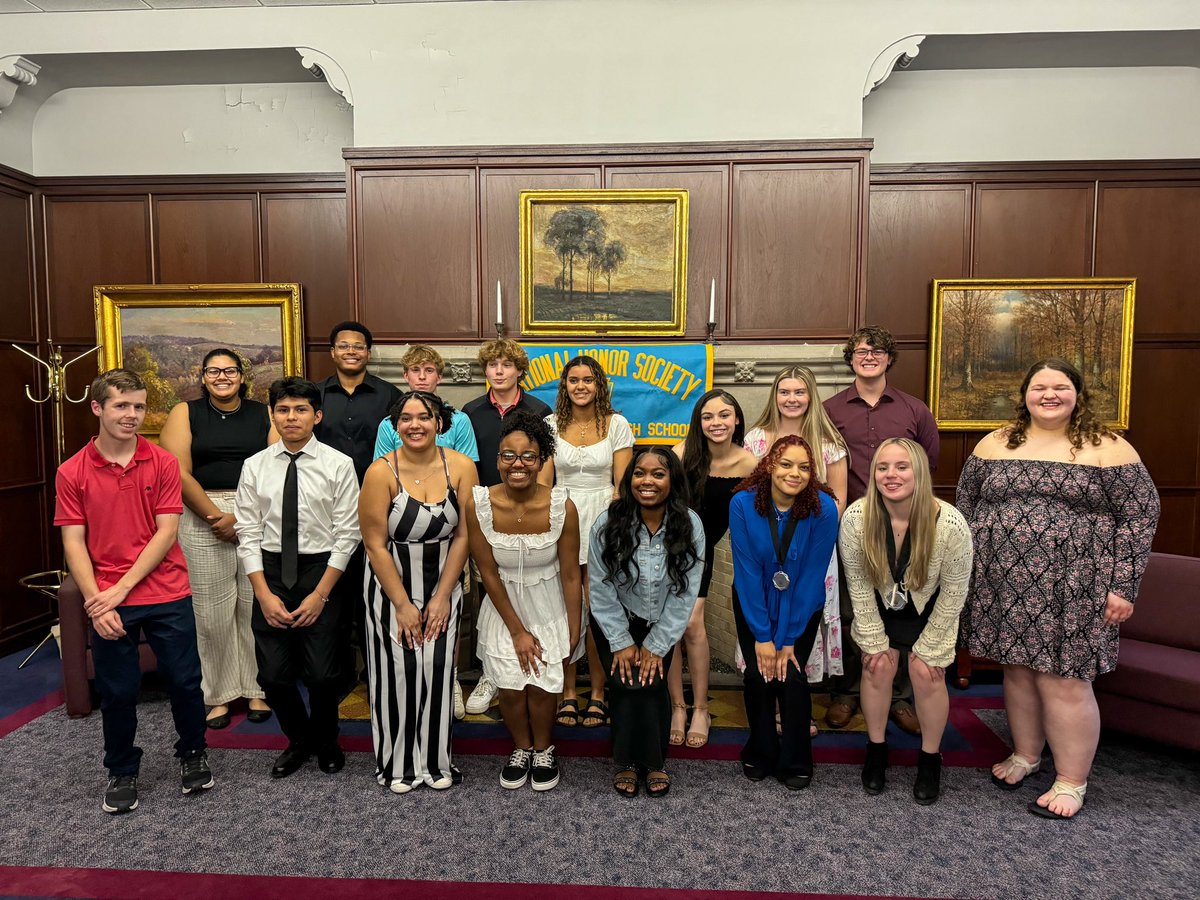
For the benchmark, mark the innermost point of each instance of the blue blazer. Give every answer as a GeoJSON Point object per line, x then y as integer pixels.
{"type": "Point", "coordinates": [774, 615]}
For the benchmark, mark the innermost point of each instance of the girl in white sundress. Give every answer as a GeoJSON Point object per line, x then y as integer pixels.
{"type": "Point", "coordinates": [525, 540]}
{"type": "Point", "coordinates": [594, 447]}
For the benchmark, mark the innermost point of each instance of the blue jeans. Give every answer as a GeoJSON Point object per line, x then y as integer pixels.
{"type": "Point", "coordinates": [170, 630]}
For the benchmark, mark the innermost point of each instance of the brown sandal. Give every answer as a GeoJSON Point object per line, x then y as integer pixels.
{"type": "Point", "coordinates": [625, 783]}
{"type": "Point", "coordinates": [675, 736]}
{"type": "Point", "coordinates": [695, 737]}
{"type": "Point", "coordinates": [657, 784]}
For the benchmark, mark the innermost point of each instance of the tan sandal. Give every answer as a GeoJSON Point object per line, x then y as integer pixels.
{"type": "Point", "coordinates": [657, 783]}
{"type": "Point", "coordinates": [695, 737]}
{"type": "Point", "coordinates": [675, 736]}
{"type": "Point", "coordinates": [1060, 789]}
{"type": "Point", "coordinates": [1012, 764]}
{"type": "Point", "coordinates": [625, 783]}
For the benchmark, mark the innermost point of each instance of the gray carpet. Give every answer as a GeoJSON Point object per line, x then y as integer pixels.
{"type": "Point", "coordinates": [1138, 836]}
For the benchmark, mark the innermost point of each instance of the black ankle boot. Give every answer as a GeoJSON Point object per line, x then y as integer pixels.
{"type": "Point", "coordinates": [875, 768]}
{"type": "Point", "coordinates": [929, 778]}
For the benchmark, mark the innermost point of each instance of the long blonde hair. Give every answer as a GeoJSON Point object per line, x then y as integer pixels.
{"type": "Point", "coordinates": [922, 520]}
{"type": "Point", "coordinates": [816, 428]}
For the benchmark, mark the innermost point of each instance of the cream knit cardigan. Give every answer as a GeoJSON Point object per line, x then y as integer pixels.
{"type": "Point", "coordinates": [949, 568]}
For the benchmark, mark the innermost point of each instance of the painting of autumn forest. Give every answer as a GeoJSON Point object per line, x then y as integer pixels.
{"type": "Point", "coordinates": [992, 333]}
{"type": "Point", "coordinates": [603, 262]}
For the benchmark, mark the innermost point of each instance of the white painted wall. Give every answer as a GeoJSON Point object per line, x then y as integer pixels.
{"type": "Point", "coordinates": [1032, 114]}
{"type": "Point", "coordinates": [589, 71]}
{"type": "Point", "coordinates": [192, 129]}
{"type": "Point", "coordinates": [16, 134]}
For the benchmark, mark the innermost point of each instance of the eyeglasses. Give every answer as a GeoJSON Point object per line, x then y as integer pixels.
{"type": "Point", "coordinates": [346, 345]}
{"type": "Point", "coordinates": [507, 457]}
{"type": "Point", "coordinates": [864, 352]}
{"type": "Point", "coordinates": [214, 372]}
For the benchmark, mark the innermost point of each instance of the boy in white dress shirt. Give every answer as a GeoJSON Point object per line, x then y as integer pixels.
{"type": "Point", "coordinates": [297, 525]}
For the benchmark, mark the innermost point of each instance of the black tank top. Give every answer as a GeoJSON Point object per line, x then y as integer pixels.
{"type": "Point", "coordinates": [221, 442]}
{"type": "Point", "coordinates": [714, 508]}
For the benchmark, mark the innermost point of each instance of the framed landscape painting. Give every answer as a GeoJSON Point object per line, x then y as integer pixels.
{"type": "Point", "coordinates": [603, 262]}
{"type": "Point", "coordinates": [986, 333]}
{"type": "Point", "coordinates": [163, 331]}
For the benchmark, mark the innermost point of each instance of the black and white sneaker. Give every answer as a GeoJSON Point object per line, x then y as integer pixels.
{"type": "Point", "coordinates": [121, 795]}
{"type": "Point", "coordinates": [544, 774]}
{"type": "Point", "coordinates": [194, 773]}
{"type": "Point", "coordinates": [516, 771]}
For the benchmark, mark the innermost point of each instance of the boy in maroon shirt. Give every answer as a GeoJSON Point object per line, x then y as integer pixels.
{"type": "Point", "coordinates": [119, 503]}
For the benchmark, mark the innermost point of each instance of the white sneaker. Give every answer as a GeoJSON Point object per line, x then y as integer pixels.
{"type": "Point", "coordinates": [483, 695]}
{"type": "Point", "coordinates": [399, 786]}
{"type": "Point", "coordinates": [459, 709]}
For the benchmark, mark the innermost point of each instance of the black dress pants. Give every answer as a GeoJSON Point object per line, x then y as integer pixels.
{"type": "Point", "coordinates": [313, 655]}
{"type": "Point", "coordinates": [766, 750]}
{"type": "Point", "coordinates": [641, 714]}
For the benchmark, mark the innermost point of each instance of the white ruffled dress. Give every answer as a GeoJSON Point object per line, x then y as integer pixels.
{"type": "Point", "coordinates": [528, 566]}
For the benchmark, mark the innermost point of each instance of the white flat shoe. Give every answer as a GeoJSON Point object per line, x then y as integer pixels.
{"type": "Point", "coordinates": [440, 784]}
{"type": "Point", "coordinates": [399, 786]}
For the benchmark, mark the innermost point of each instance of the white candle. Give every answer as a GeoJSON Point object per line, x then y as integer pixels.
{"type": "Point", "coordinates": [499, 305]}
{"type": "Point", "coordinates": [712, 302]}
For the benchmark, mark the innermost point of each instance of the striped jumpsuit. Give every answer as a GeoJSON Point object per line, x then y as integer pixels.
{"type": "Point", "coordinates": [411, 693]}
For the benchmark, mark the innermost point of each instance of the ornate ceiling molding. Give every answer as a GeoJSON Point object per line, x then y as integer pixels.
{"type": "Point", "coordinates": [322, 65]}
{"type": "Point", "coordinates": [901, 54]}
{"type": "Point", "coordinates": [15, 72]}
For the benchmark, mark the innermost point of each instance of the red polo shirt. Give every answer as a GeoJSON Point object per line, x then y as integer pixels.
{"type": "Point", "coordinates": [118, 506]}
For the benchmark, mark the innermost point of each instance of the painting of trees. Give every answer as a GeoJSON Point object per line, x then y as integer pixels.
{"type": "Point", "coordinates": [990, 331]}
{"type": "Point", "coordinates": [614, 259]}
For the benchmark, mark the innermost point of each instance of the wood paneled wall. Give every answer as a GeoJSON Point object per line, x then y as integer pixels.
{"type": "Point", "coordinates": [62, 236]}
{"type": "Point", "coordinates": [23, 469]}
{"type": "Point", "coordinates": [780, 226]}
{"type": "Point", "coordinates": [783, 227]}
{"type": "Point", "coordinates": [1048, 220]}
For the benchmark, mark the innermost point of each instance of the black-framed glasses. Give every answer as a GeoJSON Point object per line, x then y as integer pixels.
{"type": "Point", "coordinates": [864, 352]}
{"type": "Point", "coordinates": [508, 457]}
{"type": "Point", "coordinates": [228, 371]}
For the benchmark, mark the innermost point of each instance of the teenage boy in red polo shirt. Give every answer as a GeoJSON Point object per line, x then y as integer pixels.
{"type": "Point", "coordinates": [119, 503]}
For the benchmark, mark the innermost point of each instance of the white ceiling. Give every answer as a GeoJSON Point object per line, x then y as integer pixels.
{"type": "Point", "coordinates": [33, 6]}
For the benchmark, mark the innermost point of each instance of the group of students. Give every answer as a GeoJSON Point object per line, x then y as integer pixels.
{"type": "Point", "coordinates": [584, 544]}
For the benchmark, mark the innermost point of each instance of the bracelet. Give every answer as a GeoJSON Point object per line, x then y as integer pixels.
{"type": "Point", "coordinates": [322, 596]}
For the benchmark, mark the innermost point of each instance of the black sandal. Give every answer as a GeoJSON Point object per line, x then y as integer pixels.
{"type": "Point", "coordinates": [601, 714]}
{"type": "Point", "coordinates": [657, 784]}
{"type": "Point", "coordinates": [568, 713]}
{"type": "Point", "coordinates": [625, 783]}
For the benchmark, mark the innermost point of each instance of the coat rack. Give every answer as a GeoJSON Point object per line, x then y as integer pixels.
{"type": "Point", "coordinates": [50, 581]}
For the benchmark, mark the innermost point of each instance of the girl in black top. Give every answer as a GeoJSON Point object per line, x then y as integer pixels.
{"type": "Point", "coordinates": [211, 437]}
{"type": "Point", "coordinates": [714, 462]}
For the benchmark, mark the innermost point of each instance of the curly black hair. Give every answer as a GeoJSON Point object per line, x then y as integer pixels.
{"type": "Point", "coordinates": [620, 537]}
{"type": "Point", "coordinates": [532, 427]}
{"type": "Point", "coordinates": [876, 336]}
{"type": "Point", "coordinates": [434, 405]}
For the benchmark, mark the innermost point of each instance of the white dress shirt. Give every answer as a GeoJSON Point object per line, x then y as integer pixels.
{"type": "Point", "coordinates": [327, 491]}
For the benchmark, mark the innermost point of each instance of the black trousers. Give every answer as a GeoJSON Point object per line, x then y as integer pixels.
{"type": "Point", "coordinates": [790, 753]}
{"type": "Point", "coordinates": [170, 629]}
{"type": "Point", "coordinates": [313, 655]}
{"type": "Point", "coordinates": [641, 714]}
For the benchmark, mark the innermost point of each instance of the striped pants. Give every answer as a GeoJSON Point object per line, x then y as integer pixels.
{"type": "Point", "coordinates": [223, 601]}
{"type": "Point", "coordinates": [411, 693]}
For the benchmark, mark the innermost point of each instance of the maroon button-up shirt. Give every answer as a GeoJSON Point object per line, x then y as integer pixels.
{"type": "Point", "coordinates": [865, 427]}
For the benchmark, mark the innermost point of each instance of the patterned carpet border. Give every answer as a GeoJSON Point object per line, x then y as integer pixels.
{"type": "Point", "coordinates": [33, 881]}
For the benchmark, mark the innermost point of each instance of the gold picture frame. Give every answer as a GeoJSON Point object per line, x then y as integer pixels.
{"type": "Point", "coordinates": [162, 331]}
{"type": "Point", "coordinates": [986, 332]}
{"type": "Point", "coordinates": [603, 262]}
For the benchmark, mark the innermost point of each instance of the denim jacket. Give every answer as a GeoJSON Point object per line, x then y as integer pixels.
{"type": "Point", "coordinates": [650, 597]}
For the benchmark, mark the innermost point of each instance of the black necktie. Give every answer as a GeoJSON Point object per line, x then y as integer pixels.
{"type": "Point", "coordinates": [289, 539]}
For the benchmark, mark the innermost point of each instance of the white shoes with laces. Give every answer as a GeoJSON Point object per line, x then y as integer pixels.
{"type": "Point", "coordinates": [481, 698]}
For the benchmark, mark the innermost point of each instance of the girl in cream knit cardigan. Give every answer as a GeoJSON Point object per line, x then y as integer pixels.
{"type": "Point", "coordinates": [907, 557]}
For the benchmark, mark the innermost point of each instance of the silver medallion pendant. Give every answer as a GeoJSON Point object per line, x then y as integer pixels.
{"type": "Point", "coordinates": [780, 580]}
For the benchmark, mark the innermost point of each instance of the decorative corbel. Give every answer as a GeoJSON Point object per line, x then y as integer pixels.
{"type": "Point", "coordinates": [322, 65]}
{"type": "Point", "coordinates": [901, 54]}
{"type": "Point", "coordinates": [15, 72]}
